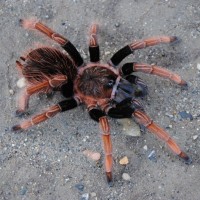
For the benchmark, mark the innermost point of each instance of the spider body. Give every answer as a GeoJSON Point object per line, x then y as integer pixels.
{"type": "Point", "coordinates": [105, 89]}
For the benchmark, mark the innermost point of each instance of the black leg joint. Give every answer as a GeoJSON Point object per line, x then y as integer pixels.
{"type": "Point", "coordinates": [120, 55]}
{"type": "Point", "coordinates": [94, 54]}
{"type": "Point", "coordinates": [67, 89]}
{"type": "Point", "coordinates": [132, 79]}
{"type": "Point", "coordinates": [72, 51]}
{"type": "Point", "coordinates": [127, 68]}
{"type": "Point", "coordinates": [67, 104]}
{"type": "Point", "coordinates": [125, 112]}
{"type": "Point", "coordinates": [95, 114]}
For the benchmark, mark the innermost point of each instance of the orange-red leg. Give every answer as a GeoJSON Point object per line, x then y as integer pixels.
{"type": "Point", "coordinates": [37, 119]}
{"type": "Point", "coordinates": [151, 42]}
{"type": "Point", "coordinates": [128, 49]}
{"type": "Point", "coordinates": [65, 43]}
{"type": "Point", "coordinates": [107, 144]}
{"type": "Point", "coordinates": [128, 68]}
{"type": "Point", "coordinates": [34, 24]}
{"type": "Point", "coordinates": [44, 86]}
{"type": "Point", "coordinates": [50, 112]}
{"type": "Point", "coordinates": [93, 35]}
{"type": "Point", "coordinates": [93, 44]}
{"type": "Point", "coordinates": [143, 119]}
{"type": "Point", "coordinates": [159, 71]}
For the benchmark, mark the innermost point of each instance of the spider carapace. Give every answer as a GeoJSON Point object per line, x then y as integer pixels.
{"type": "Point", "coordinates": [106, 89]}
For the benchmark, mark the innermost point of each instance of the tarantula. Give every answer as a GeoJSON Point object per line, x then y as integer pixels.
{"type": "Point", "coordinates": [104, 89]}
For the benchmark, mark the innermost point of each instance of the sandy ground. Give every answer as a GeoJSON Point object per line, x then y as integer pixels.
{"type": "Point", "coordinates": [46, 162]}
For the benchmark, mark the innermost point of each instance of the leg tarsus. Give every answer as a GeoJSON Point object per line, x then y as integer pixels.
{"type": "Point", "coordinates": [16, 128]}
{"type": "Point", "coordinates": [109, 179]}
{"type": "Point", "coordinates": [20, 113]}
{"type": "Point", "coordinates": [186, 158]}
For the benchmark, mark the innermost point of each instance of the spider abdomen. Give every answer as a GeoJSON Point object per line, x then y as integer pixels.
{"type": "Point", "coordinates": [45, 62]}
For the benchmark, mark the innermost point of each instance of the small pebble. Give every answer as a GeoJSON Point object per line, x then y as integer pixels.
{"type": "Point", "coordinates": [198, 66]}
{"type": "Point", "coordinates": [169, 115]}
{"type": "Point", "coordinates": [129, 127]}
{"type": "Point", "coordinates": [126, 177]}
{"type": "Point", "coordinates": [185, 115]}
{"type": "Point", "coordinates": [79, 186]}
{"type": "Point", "coordinates": [117, 25]}
{"type": "Point", "coordinates": [11, 91]}
{"type": "Point", "coordinates": [107, 53]}
{"type": "Point", "coordinates": [85, 196]}
{"type": "Point", "coordinates": [195, 137]}
{"type": "Point", "coordinates": [84, 56]}
{"type": "Point", "coordinates": [23, 190]}
{"type": "Point", "coordinates": [170, 126]}
{"type": "Point", "coordinates": [93, 194]}
{"type": "Point", "coordinates": [21, 83]}
{"type": "Point", "coordinates": [152, 156]}
{"type": "Point", "coordinates": [93, 155]}
{"type": "Point", "coordinates": [124, 161]}
{"type": "Point", "coordinates": [145, 147]}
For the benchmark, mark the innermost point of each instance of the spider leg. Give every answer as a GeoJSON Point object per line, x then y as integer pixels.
{"type": "Point", "coordinates": [152, 69]}
{"type": "Point", "coordinates": [93, 44]}
{"type": "Point", "coordinates": [67, 89]}
{"type": "Point", "coordinates": [50, 112]}
{"type": "Point", "coordinates": [128, 49]}
{"type": "Point", "coordinates": [44, 86]}
{"type": "Point", "coordinates": [136, 110]}
{"type": "Point", "coordinates": [143, 119]}
{"type": "Point", "coordinates": [100, 117]}
{"type": "Point", "coordinates": [65, 43]}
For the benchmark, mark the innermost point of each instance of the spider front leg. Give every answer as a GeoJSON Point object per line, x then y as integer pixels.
{"type": "Point", "coordinates": [93, 44]}
{"type": "Point", "coordinates": [128, 68]}
{"type": "Point", "coordinates": [51, 112]}
{"type": "Point", "coordinates": [65, 43]}
{"type": "Point", "coordinates": [128, 49]}
{"type": "Point", "coordinates": [145, 120]}
{"type": "Point", "coordinates": [44, 86]}
{"type": "Point", "coordinates": [100, 117]}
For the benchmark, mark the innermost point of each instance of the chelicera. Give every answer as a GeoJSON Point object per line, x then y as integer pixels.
{"type": "Point", "coordinates": [106, 89]}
